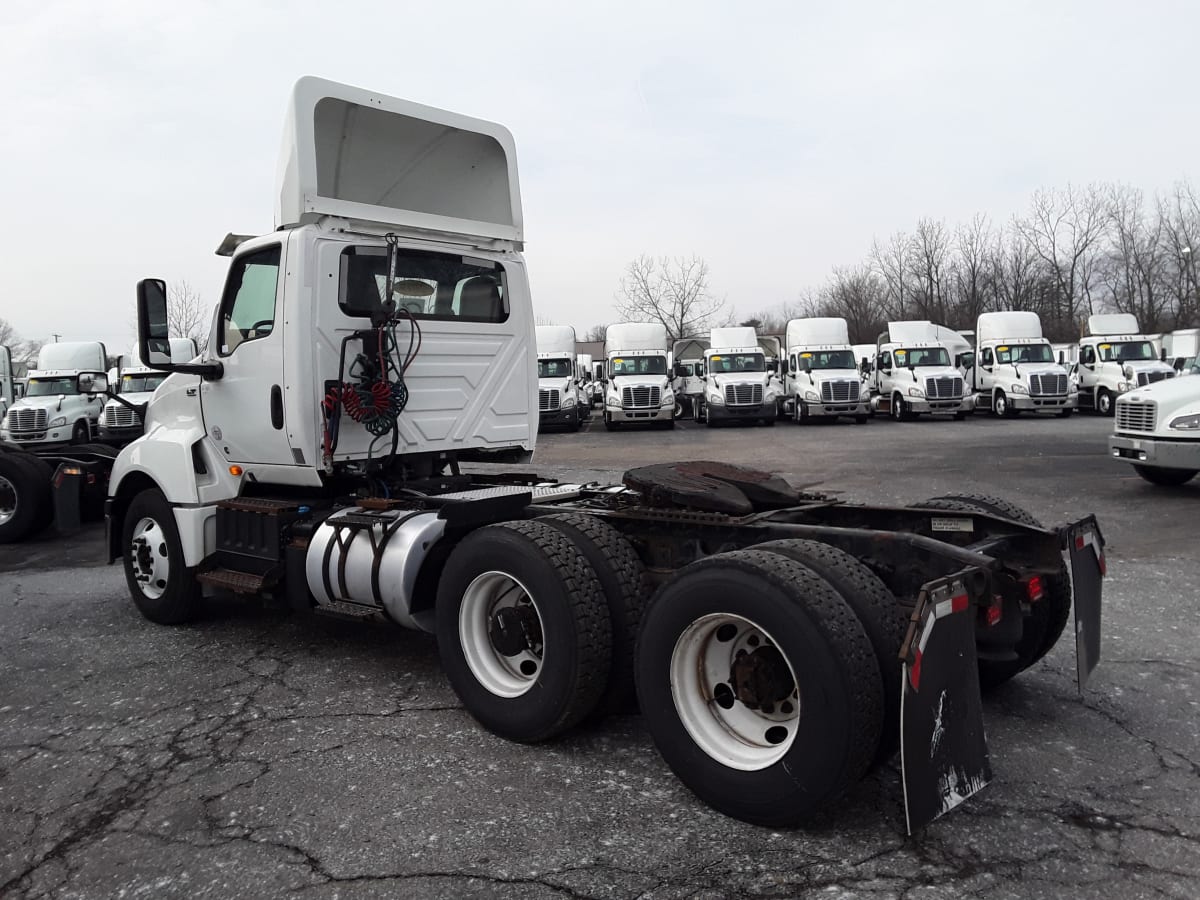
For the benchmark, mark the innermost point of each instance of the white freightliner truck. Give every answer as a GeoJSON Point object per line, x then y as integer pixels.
{"type": "Point", "coordinates": [61, 404]}
{"type": "Point", "coordinates": [737, 385]}
{"type": "Point", "coordinates": [637, 386]}
{"type": "Point", "coordinates": [317, 453]}
{"type": "Point", "coordinates": [1181, 349]}
{"type": "Point", "coordinates": [1115, 358]}
{"type": "Point", "coordinates": [915, 372]}
{"type": "Point", "coordinates": [1014, 368]}
{"type": "Point", "coordinates": [588, 387]}
{"type": "Point", "coordinates": [822, 377]}
{"type": "Point", "coordinates": [560, 400]}
{"type": "Point", "coordinates": [120, 420]}
{"type": "Point", "coordinates": [1157, 429]}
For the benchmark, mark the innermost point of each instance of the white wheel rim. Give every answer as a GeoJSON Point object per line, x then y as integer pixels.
{"type": "Point", "coordinates": [8, 500]}
{"type": "Point", "coordinates": [149, 559]}
{"type": "Point", "coordinates": [504, 675]}
{"type": "Point", "coordinates": [722, 725]}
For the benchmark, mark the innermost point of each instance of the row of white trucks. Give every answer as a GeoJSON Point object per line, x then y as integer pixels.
{"type": "Point", "coordinates": [380, 340]}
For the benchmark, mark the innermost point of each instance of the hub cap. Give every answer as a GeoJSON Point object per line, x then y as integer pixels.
{"type": "Point", "coordinates": [148, 557]}
{"type": "Point", "coordinates": [735, 692]}
{"type": "Point", "coordinates": [8, 500]}
{"type": "Point", "coordinates": [500, 630]}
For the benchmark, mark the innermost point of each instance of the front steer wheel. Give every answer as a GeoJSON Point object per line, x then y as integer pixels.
{"type": "Point", "coordinates": [163, 588]}
{"type": "Point", "coordinates": [759, 686]}
{"type": "Point", "coordinates": [1165, 477]}
{"type": "Point", "coordinates": [523, 630]}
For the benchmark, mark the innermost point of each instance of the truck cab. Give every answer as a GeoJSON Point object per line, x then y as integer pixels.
{"type": "Point", "coordinates": [560, 399]}
{"type": "Point", "coordinates": [1181, 349]}
{"type": "Point", "coordinates": [63, 398]}
{"type": "Point", "coordinates": [688, 385]}
{"type": "Point", "coordinates": [136, 383]}
{"type": "Point", "coordinates": [738, 386]}
{"type": "Point", "coordinates": [1113, 359]}
{"type": "Point", "coordinates": [1014, 368]}
{"type": "Point", "coordinates": [915, 372]}
{"type": "Point", "coordinates": [822, 377]}
{"type": "Point", "coordinates": [637, 386]}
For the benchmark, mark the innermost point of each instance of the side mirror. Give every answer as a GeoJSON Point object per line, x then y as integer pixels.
{"type": "Point", "coordinates": [91, 383]}
{"type": "Point", "coordinates": [1162, 355]}
{"type": "Point", "coordinates": [154, 329]}
{"type": "Point", "coordinates": [1062, 358]}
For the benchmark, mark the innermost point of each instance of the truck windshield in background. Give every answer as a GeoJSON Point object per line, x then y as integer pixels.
{"type": "Point", "coordinates": [1025, 353]}
{"type": "Point", "coordinates": [922, 356]}
{"type": "Point", "coordinates": [828, 359]}
{"type": "Point", "coordinates": [1128, 351]}
{"type": "Point", "coordinates": [639, 365]}
{"type": "Point", "coordinates": [554, 368]}
{"type": "Point", "coordinates": [133, 384]}
{"type": "Point", "coordinates": [429, 285]}
{"type": "Point", "coordinates": [49, 387]}
{"type": "Point", "coordinates": [737, 362]}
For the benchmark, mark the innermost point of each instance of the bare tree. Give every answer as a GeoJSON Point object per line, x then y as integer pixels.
{"type": "Point", "coordinates": [973, 284]}
{"type": "Point", "coordinates": [671, 291]}
{"type": "Point", "coordinates": [893, 264]}
{"type": "Point", "coordinates": [856, 294]}
{"type": "Point", "coordinates": [189, 315]}
{"type": "Point", "coordinates": [927, 261]}
{"type": "Point", "coordinates": [21, 351]}
{"type": "Point", "coordinates": [595, 333]}
{"type": "Point", "coordinates": [1179, 213]}
{"type": "Point", "coordinates": [1133, 271]}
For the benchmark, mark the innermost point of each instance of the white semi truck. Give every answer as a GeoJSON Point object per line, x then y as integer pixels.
{"type": "Point", "coordinates": [822, 377]}
{"type": "Point", "coordinates": [1014, 369]}
{"type": "Point", "coordinates": [560, 399]}
{"type": "Point", "coordinates": [915, 372]}
{"type": "Point", "coordinates": [1157, 429]}
{"type": "Point", "coordinates": [1115, 358]}
{"type": "Point", "coordinates": [738, 387]}
{"type": "Point", "coordinates": [1181, 349]}
{"type": "Point", "coordinates": [637, 382]}
{"type": "Point", "coordinates": [62, 402]}
{"type": "Point", "coordinates": [381, 338]}
{"type": "Point", "coordinates": [120, 420]}
{"type": "Point", "coordinates": [589, 388]}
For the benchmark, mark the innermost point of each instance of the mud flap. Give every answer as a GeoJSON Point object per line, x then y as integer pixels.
{"type": "Point", "coordinates": [1085, 544]}
{"type": "Point", "coordinates": [943, 749]}
{"type": "Point", "coordinates": [67, 485]}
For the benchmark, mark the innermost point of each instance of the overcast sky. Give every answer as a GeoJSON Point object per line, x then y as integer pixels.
{"type": "Point", "coordinates": [774, 140]}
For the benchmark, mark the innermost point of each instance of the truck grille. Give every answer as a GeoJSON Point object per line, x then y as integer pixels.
{"type": "Point", "coordinates": [948, 388]}
{"type": "Point", "coordinates": [1145, 378]}
{"type": "Point", "coordinates": [1136, 416]}
{"type": "Point", "coordinates": [547, 400]}
{"type": "Point", "coordinates": [120, 417]}
{"type": "Point", "coordinates": [839, 391]}
{"type": "Point", "coordinates": [743, 395]}
{"type": "Point", "coordinates": [27, 420]}
{"type": "Point", "coordinates": [1047, 384]}
{"type": "Point", "coordinates": [641, 397]}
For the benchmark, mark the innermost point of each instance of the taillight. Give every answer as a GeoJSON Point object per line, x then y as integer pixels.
{"type": "Point", "coordinates": [994, 611]}
{"type": "Point", "coordinates": [1103, 565]}
{"type": "Point", "coordinates": [1033, 588]}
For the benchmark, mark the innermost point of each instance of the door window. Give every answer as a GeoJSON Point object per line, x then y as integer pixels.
{"type": "Point", "coordinates": [248, 307]}
{"type": "Point", "coordinates": [987, 356]}
{"type": "Point", "coordinates": [1087, 356]}
{"type": "Point", "coordinates": [885, 360]}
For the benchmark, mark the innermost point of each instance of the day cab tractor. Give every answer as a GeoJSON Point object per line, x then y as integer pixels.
{"type": "Point", "coordinates": [381, 339]}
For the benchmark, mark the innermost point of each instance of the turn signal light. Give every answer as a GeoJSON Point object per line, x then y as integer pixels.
{"type": "Point", "coordinates": [1033, 588]}
{"type": "Point", "coordinates": [235, 471]}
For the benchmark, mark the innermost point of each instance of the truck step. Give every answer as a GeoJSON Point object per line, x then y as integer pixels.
{"type": "Point", "coordinates": [259, 505]}
{"type": "Point", "coordinates": [340, 609]}
{"type": "Point", "coordinates": [229, 580]}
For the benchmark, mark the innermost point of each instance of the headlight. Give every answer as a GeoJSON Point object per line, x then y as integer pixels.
{"type": "Point", "coordinates": [613, 400]}
{"type": "Point", "coordinates": [567, 401]}
{"type": "Point", "coordinates": [1123, 386]}
{"type": "Point", "coordinates": [916, 392]}
{"type": "Point", "coordinates": [668, 398]}
{"type": "Point", "coordinates": [715, 398]}
{"type": "Point", "coordinates": [1187, 423]}
{"type": "Point", "coordinates": [812, 395]}
{"type": "Point", "coordinates": [1018, 389]}
{"type": "Point", "coordinates": [58, 423]}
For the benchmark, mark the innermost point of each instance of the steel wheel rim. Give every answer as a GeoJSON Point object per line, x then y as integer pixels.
{"type": "Point", "coordinates": [1105, 403]}
{"type": "Point", "coordinates": [504, 676]}
{"type": "Point", "coordinates": [1001, 405]}
{"type": "Point", "coordinates": [721, 724]}
{"type": "Point", "coordinates": [8, 500]}
{"type": "Point", "coordinates": [149, 557]}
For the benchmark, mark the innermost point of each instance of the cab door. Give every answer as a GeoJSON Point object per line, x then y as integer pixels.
{"type": "Point", "coordinates": [1087, 375]}
{"type": "Point", "coordinates": [244, 408]}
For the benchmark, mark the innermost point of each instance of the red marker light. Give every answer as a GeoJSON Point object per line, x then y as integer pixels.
{"type": "Point", "coordinates": [994, 611]}
{"type": "Point", "coordinates": [1033, 588]}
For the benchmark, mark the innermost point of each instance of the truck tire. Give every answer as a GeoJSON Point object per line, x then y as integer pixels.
{"type": "Point", "coordinates": [1002, 408]}
{"type": "Point", "coordinates": [609, 425]}
{"type": "Point", "coordinates": [861, 420]}
{"type": "Point", "coordinates": [25, 503]}
{"type": "Point", "coordinates": [768, 423]}
{"type": "Point", "coordinates": [622, 579]}
{"type": "Point", "coordinates": [878, 612]}
{"type": "Point", "coordinates": [81, 433]}
{"type": "Point", "coordinates": [1065, 413]}
{"type": "Point", "coordinates": [163, 588]}
{"type": "Point", "coordinates": [523, 630]}
{"type": "Point", "coordinates": [1104, 402]}
{"type": "Point", "coordinates": [1165, 477]}
{"type": "Point", "coordinates": [1048, 616]}
{"type": "Point", "coordinates": [759, 686]}
{"type": "Point", "coordinates": [960, 416]}
{"type": "Point", "coordinates": [900, 410]}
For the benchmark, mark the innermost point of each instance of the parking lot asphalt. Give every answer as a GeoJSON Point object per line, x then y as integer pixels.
{"type": "Point", "coordinates": [256, 753]}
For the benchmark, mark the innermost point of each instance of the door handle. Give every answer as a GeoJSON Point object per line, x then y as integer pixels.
{"type": "Point", "coordinates": [277, 407]}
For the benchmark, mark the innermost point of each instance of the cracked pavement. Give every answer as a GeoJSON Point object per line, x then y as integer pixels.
{"type": "Point", "coordinates": [258, 753]}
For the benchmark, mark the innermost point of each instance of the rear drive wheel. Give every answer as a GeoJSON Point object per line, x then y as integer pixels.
{"type": "Point", "coordinates": [1165, 477]}
{"type": "Point", "coordinates": [759, 686]}
{"type": "Point", "coordinates": [25, 502]}
{"type": "Point", "coordinates": [523, 630]}
{"type": "Point", "coordinates": [163, 588]}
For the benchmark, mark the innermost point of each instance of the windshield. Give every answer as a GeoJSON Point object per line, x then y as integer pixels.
{"type": "Point", "coordinates": [554, 368]}
{"type": "Point", "coordinates": [49, 387]}
{"type": "Point", "coordinates": [922, 356]}
{"type": "Point", "coordinates": [687, 369]}
{"type": "Point", "coordinates": [1130, 351]}
{"type": "Point", "coordinates": [737, 362]}
{"type": "Point", "coordinates": [1024, 353]}
{"type": "Point", "coordinates": [828, 359]}
{"type": "Point", "coordinates": [639, 365]}
{"type": "Point", "coordinates": [131, 384]}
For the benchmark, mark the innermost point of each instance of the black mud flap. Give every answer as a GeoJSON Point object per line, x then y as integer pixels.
{"type": "Point", "coordinates": [1085, 544]}
{"type": "Point", "coordinates": [943, 750]}
{"type": "Point", "coordinates": [67, 485]}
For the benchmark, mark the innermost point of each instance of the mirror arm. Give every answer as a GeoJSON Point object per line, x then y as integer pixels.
{"type": "Point", "coordinates": [208, 371]}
